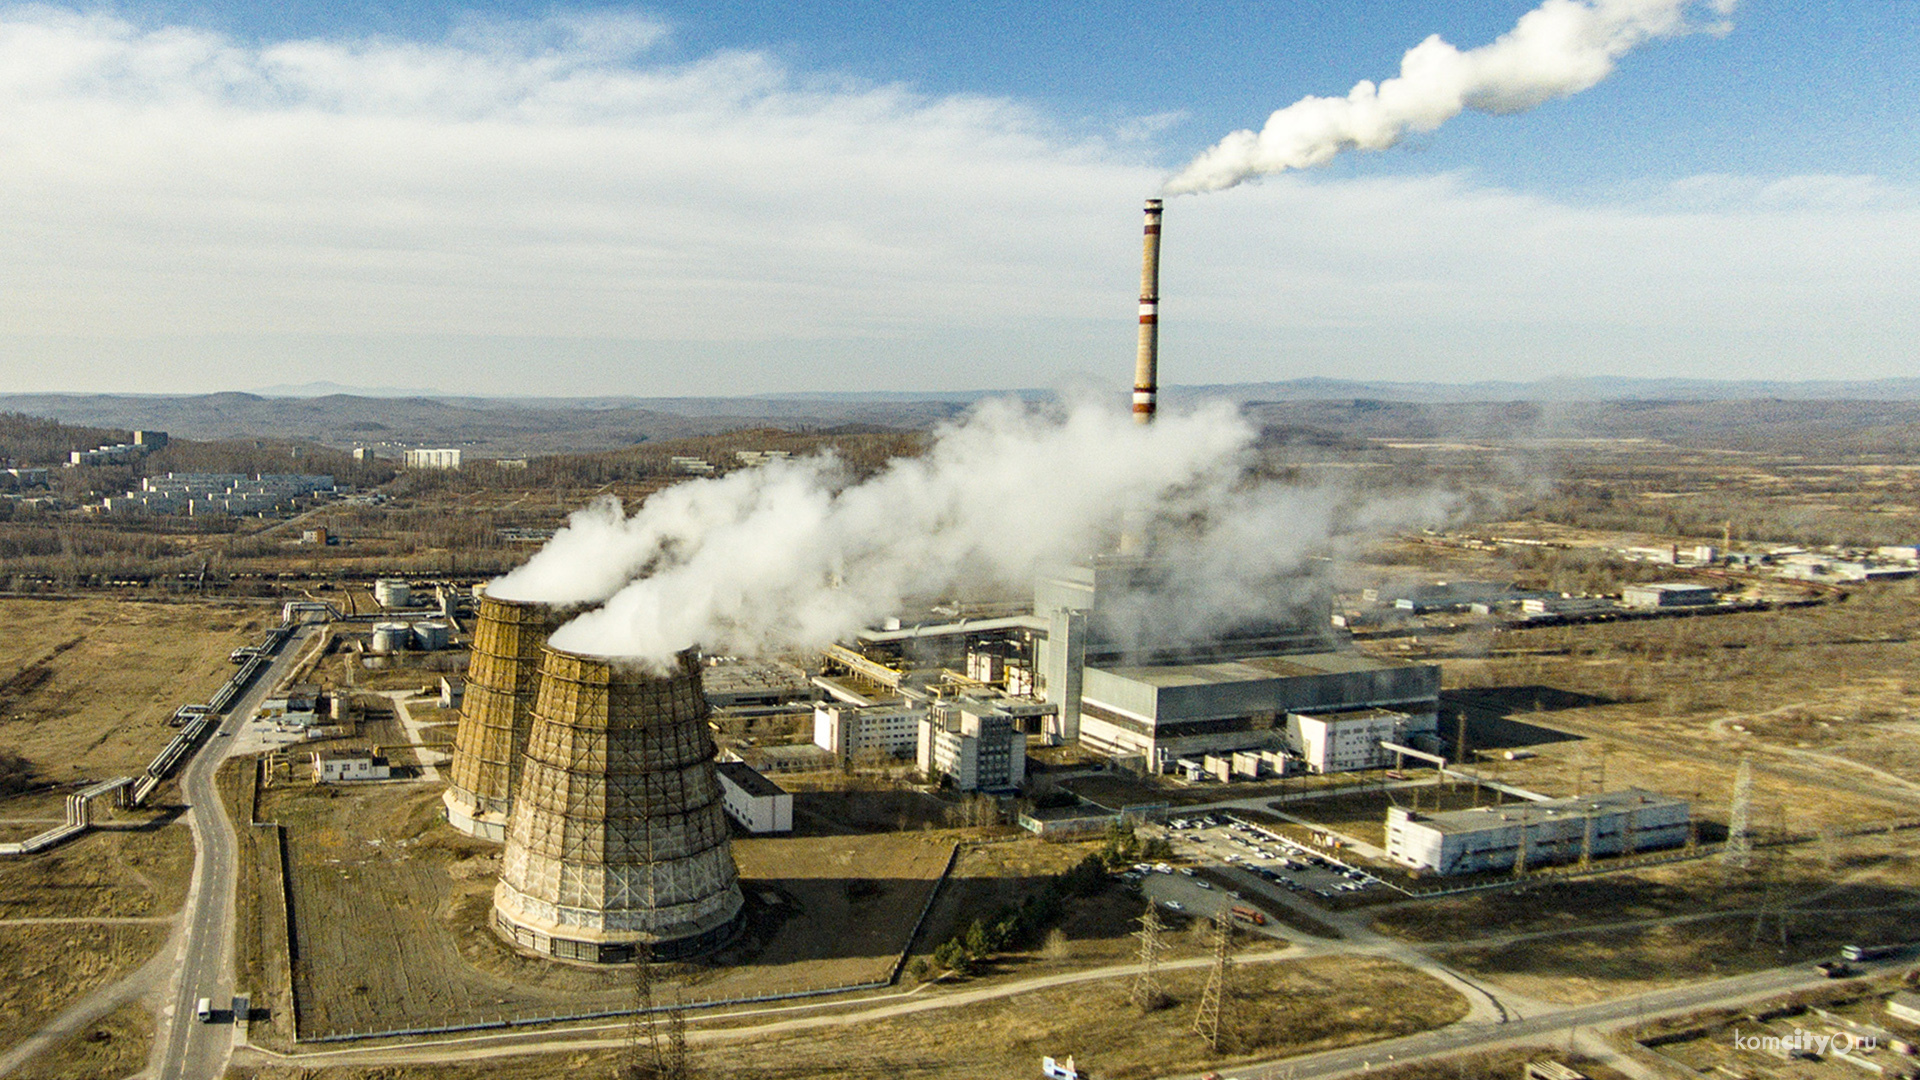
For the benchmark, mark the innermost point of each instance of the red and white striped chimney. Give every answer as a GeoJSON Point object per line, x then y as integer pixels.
{"type": "Point", "coordinates": [1146, 369]}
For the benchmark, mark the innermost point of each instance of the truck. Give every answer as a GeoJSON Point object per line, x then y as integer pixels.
{"type": "Point", "coordinates": [1241, 911]}
{"type": "Point", "coordinates": [204, 1010]}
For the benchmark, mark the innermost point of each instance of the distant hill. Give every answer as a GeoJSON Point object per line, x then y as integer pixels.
{"type": "Point", "coordinates": [1879, 414]}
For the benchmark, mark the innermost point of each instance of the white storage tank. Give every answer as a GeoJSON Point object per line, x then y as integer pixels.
{"type": "Point", "coordinates": [392, 592]}
{"type": "Point", "coordinates": [391, 637]}
{"type": "Point", "coordinates": [432, 635]}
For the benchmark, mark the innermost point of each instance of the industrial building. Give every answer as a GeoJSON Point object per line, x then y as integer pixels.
{"type": "Point", "coordinates": [1497, 838]}
{"type": "Point", "coordinates": [445, 458]}
{"type": "Point", "coordinates": [974, 744]}
{"type": "Point", "coordinates": [758, 804]}
{"type": "Point", "coordinates": [1668, 595]}
{"type": "Point", "coordinates": [1348, 740]}
{"type": "Point", "coordinates": [1168, 711]}
{"type": "Point", "coordinates": [496, 714]}
{"type": "Point", "coordinates": [849, 730]}
{"type": "Point", "coordinates": [735, 682]}
{"type": "Point", "coordinates": [618, 837]}
{"type": "Point", "coordinates": [336, 766]}
{"type": "Point", "coordinates": [202, 494]}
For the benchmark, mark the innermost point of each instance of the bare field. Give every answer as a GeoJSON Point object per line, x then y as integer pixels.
{"type": "Point", "coordinates": [139, 870]}
{"type": "Point", "coordinates": [46, 967]}
{"type": "Point", "coordinates": [87, 685]}
{"type": "Point", "coordinates": [392, 908]}
{"type": "Point", "coordinates": [113, 1046]}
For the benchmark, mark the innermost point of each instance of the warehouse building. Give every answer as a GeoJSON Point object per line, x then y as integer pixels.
{"type": "Point", "coordinates": [1496, 838]}
{"type": "Point", "coordinates": [757, 803]}
{"type": "Point", "coordinates": [1668, 595]}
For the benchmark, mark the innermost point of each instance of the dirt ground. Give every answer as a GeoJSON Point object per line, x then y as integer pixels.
{"type": "Point", "coordinates": [87, 685]}
{"type": "Point", "coordinates": [392, 909]}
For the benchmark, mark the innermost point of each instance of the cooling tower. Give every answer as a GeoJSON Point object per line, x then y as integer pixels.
{"type": "Point", "coordinates": [617, 835]}
{"type": "Point", "coordinates": [496, 713]}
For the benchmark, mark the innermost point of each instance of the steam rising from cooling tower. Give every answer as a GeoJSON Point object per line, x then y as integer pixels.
{"type": "Point", "coordinates": [1556, 50]}
{"type": "Point", "coordinates": [800, 553]}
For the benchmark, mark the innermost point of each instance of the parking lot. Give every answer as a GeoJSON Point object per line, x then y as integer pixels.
{"type": "Point", "coordinates": [1223, 840]}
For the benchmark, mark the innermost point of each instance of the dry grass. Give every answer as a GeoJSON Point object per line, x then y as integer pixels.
{"type": "Point", "coordinates": [113, 1046]}
{"type": "Point", "coordinates": [140, 870]}
{"type": "Point", "coordinates": [95, 680]}
{"type": "Point", "coordinates": [45, 968]}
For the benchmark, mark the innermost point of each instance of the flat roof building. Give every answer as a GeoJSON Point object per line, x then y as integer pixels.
{"type": "Point", "coordinates": [757, 803]}
{"type": "Point", "coordinates": [976, 744]}
{"type": "Point", "coordinates": [1165, 712]}
{"type": "Point", "coordinates": [1668, 594]}
{"type": "Point", "coordinates": [1497, 838]}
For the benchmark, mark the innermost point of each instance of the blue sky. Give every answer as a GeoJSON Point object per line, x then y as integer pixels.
{"type": "Point", "coordinates": [733, 198]}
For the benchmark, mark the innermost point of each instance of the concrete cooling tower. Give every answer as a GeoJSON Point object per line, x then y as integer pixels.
{"type": "Point", "coordinates": [617, 835]}
{"type": "Point", "coordinates": [496, 714]}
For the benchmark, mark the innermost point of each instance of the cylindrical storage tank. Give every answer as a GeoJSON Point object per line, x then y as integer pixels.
{"type": "Point", "coordinates": [431, 636]}
{"type": "Point", "coordinates": [617, 836]}
{"type": "Point", "coordinates": [392, 592]}
{"type": "Point", "coordinates": [391, 637]}
{"type": "Point", "coordinates": [503, 672]}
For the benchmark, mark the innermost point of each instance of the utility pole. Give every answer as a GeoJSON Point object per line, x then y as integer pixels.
{"type": "Point", "coordinates": [1207, 1019]}
{"type": "Point", "coordinates": [1147, 995]}
{"type": "Point", "coordinates": [1739, 851]}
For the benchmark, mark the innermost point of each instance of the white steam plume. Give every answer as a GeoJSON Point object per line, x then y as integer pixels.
{"type": "Point", "coordinates": [796, 555]}
{"type": "Point", "coordinates": [1558, 49]}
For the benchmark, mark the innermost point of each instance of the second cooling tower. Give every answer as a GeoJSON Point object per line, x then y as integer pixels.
{"type": "Point", "coordinates": [617, 836]}
{"type": "Point", "coordinates": [496, 714]}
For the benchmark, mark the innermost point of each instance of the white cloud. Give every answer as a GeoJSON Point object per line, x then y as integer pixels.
{"type": "Point", "coordinates": [188, 212]}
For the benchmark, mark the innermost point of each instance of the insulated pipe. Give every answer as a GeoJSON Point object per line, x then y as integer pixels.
{"type": "Point", "coordinates": [1146, 369]}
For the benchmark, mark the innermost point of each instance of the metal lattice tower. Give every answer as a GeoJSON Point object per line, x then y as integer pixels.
{"type": "Point", "coordinates": [617, 838]}
{"type": "Point", "coordinates": [1739, 850]}
{"type": "Point", "coordinates": [1146, 985]}
{"type": "Point", "coordinates": [1207, 1018]}
{"type": "Point", "coordinates": [496, 714]}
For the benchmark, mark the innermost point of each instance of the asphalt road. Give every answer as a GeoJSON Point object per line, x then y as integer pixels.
{"type": "Point", "coordinates": [195, 1050]}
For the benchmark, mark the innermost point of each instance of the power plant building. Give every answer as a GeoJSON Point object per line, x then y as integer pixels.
{"type": "Point", "coordinates": [848, 730]}
{"type": "Point", "coordinates": [1496, 838]}
{"type": "Point", "coordinates": [758, 804]}
{"type": "Point", "coordinates": [618, 838]}
{"type": "Point", "coordinates": [1169, 711]}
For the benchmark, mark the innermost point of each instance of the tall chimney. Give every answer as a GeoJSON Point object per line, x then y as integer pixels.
{"type": "Point", "coordinates": [1146, 369]}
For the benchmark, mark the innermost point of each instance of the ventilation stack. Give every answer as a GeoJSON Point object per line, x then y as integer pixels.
{"type": "Point", "coordinates": [496, 714]}
{"type": "Point", "coordinates": [617, 836]}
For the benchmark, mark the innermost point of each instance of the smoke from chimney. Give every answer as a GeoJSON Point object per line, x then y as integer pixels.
{"type": "Point", "coordinates": [1556, 50]}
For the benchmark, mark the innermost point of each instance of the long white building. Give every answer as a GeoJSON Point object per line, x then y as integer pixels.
{"type": "Point", "coordinates": [1495, 838]}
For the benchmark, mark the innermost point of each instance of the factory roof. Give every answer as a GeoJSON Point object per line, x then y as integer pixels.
{"type": "Point", "coordinates": [1253, 669]}
{"type": "Point", "coordinates": [1529, 813]}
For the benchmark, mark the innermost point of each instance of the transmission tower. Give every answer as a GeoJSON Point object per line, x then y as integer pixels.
{"type": "Point", "coordinates": [1146, 986]}
{"type": "Point", "coordinates": [1739, 850]}
{"type": "Point", "coordinates": [1207, 1019]}
{"type": "Point", "coordinates": [649, 1055]}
